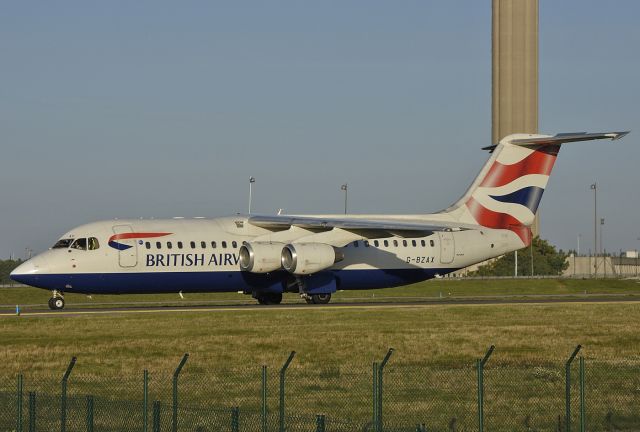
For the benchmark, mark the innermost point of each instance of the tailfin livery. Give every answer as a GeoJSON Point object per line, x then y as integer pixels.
{"type": "Point", "coordinates": [508, 190]}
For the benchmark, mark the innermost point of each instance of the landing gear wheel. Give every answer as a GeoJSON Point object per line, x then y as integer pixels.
{"type": "Point", "coordinates": [269, 298]}
{"type": "Point", "coordinates": [321, 298]}
{"type": "Point", "coordinates": [56, 303]}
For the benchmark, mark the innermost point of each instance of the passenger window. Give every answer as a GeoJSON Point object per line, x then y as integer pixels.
{"type": "Point", "coordinates": [234, 244]}
{"type": "Point", "coordinates": [203, 244]}
{"type": "Point", "coordinates": [80, 244]}
{"type": "Point", "coordinates": [432, 243]}
{"type": "Point", "coordinates": [93, 243]}
{"type": "Point", "coordinates": [376, 243]}
{"type": "Point", "coordinates": [386, 243]}
{"type": "Point", "coordinates": [179, 245]}
{"type": "Point", "coordinates": [224, 244]}
{"type": "Point", "coordinates": [193, 245]}
{"type": "Point", "coordinates": [395, 243]}
{"type": "Point", "coordinates": [355, 243]}
{"type": "Point", "coordinates": [413, 243]}
{"type": "Point", "coordinates": [366, 243]}
{"type": "Point", "coordinates": [169, 245]}
{"type": "Point", "coordinates": [147, 245]}
{"type": "Point", "coordinates": [158, 245]}
{"type": "Point", "coordinates": [213, 244]}
{"type": "Point", "coordinates": [423, 243]}
{"type": "Point", "coordinates": [404, 243]}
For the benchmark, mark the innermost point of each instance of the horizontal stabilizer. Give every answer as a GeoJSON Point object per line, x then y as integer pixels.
{"type": "Point", "coordinates": [537, 140]}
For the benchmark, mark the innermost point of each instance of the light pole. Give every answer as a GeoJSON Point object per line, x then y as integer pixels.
{"type": "Point", "coordinates": [602, 249]}
{"type": "Point", "coordinates": [345, 188]}
{"type": "Point", "coordinates": [594, 188]}
{"type": "Point", "coordinates": [252, 180]}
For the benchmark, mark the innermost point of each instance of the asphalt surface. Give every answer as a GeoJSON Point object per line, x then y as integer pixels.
{"type": "Point", "coordinates": [137, 309]}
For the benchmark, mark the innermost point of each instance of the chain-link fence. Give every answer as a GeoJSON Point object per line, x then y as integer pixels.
{"type": "Point", "coordinates": [492, 393]}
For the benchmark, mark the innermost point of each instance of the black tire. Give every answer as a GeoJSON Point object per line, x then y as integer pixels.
{"type": "Point", "coordinates": [51, 306]}
{"type": "Point", "coordinates": [269, 298]}
{"type": "Point", "coordinates": [321, 298]}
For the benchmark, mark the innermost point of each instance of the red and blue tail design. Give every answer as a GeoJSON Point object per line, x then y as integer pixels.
{"type": "Point", "coordinates": [507, 192]}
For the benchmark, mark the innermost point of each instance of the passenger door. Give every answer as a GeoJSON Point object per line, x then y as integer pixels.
{"type": "Point", "coordinates": [126, 257]}
{"type": "Point", "coordinates": [447, 247]}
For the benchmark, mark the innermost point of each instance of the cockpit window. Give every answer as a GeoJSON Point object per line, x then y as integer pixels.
{"type": "Point", "coordinates": [80, 244]}
{"type": "Point", "coordinates": [62, 244]}
{"type": "Point", "coordinates": [93, 243]}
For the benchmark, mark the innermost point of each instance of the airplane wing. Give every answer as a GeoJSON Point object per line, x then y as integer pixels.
{"type": "Point", "coordinates": [280, 222]}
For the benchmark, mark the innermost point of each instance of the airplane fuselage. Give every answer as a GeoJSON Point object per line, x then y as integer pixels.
{"type": "Point", "coordinates": [202, 255]}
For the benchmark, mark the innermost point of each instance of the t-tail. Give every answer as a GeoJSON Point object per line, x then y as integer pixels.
{"type": "Point", "coordinates": [507, 192]}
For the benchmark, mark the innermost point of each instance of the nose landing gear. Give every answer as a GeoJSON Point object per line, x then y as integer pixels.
{"type": "Point", "coordinates": [56, 302]}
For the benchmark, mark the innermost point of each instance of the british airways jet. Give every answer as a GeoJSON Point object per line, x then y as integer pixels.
{"type": "Point", "coordinates": [314, 255]}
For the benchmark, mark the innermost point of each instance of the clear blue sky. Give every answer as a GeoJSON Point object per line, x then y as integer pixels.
{"type": "Point", "coordinates": [160, 109]}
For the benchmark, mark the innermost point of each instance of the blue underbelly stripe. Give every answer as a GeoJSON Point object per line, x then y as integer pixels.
{"type": "Point", "coordinates": [231, 281]}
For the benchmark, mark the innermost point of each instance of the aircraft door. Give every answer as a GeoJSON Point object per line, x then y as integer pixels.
{"type": "Point", "coordinates": [127, 247]}
{"type": "Point", "coordinates": [447, 247]}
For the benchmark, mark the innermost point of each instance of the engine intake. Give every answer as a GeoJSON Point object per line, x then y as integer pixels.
{"type": "Point", "coordinates": [308, 258]}
{"type": "Point", "coordinates": [259, 257]}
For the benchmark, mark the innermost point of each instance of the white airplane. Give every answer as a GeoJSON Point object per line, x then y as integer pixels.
{"type": "Point", "coordinates": [313, 255]}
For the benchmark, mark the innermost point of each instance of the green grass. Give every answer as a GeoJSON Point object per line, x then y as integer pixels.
{"type": "Point", "coordinates": [444, 289]}
{"type": "Point", "coordinates": [430, 377]}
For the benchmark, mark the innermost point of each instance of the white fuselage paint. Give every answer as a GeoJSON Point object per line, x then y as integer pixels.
{"type": "Point", "coordinates": [442, 252]}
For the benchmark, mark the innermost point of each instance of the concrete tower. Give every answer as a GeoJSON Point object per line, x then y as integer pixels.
{"type": "Point", "coordinates": [515, 70]}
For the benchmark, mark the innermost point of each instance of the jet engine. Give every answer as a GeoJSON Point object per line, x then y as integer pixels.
{"type": "Point", "coordinates": [308, 258]}
{"type": "Point", "coordinates": [260, 257]}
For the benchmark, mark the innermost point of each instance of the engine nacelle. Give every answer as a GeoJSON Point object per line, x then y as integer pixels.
{"type": "Point", "coordinates": [308, 258]}
{"type": "Point", "coordinates": [259, 257]}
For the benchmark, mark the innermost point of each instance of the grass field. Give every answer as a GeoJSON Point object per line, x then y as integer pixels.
{"type": "Point", "coordinates": [434, 289]}
{"type": "Point", "coordinates": [430, 377]}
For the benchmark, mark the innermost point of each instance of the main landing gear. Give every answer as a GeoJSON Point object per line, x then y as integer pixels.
{"type": "Point", "coordinates": [268, 298]}
{"type": "Point", "coordinates": [317, 298]}
{"type": "Point", "coordinates": [57, 301]}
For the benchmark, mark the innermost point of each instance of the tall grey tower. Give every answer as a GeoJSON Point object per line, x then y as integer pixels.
{"type": "Point", "coordinates": [514, 70]}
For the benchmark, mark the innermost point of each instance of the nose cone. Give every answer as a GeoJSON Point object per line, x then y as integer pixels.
{"type": "Point", "coordinates": [28, 272]}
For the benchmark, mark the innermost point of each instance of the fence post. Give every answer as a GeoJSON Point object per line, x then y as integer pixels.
{"type": "Point", "coordinates": [19, 401]}
{"type": "Point", "coordinates": [282, 375]}
{"type": "Point", "coordinates": [264, 399]}
{"type": "Point", "coordinates": [89, 413]}
{"type": "Point", "coordinates": [480, 368]}
{"type": "Point", "coordinates": [235, 419]}
{"type": "Point", "coordinates": [375, 395]}
{"type": "Point", "coordinates": [145, 401]}
{"type": "Point", "coordinates": [582, 401]}
{"type": "Point", "coordinates": [32, 411]}
{"type": "Point", "coordinates": [320, 427]}
{"type": "Point", "coordinates": [174, 422]}
{"type": "Point", "coordinates": [63, 397]}
{"type": "Point", "coordinates": [380, 386]}
{"type": "Point", "coordinates": [156, 416]}
{"type": "Point", "coordinates": [567, 390]}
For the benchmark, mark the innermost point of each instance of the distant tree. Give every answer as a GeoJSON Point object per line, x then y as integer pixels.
{"type": "Point", "coordinates": [547, 261]}
{"type": "Point", "coordinates": [6, 267]}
